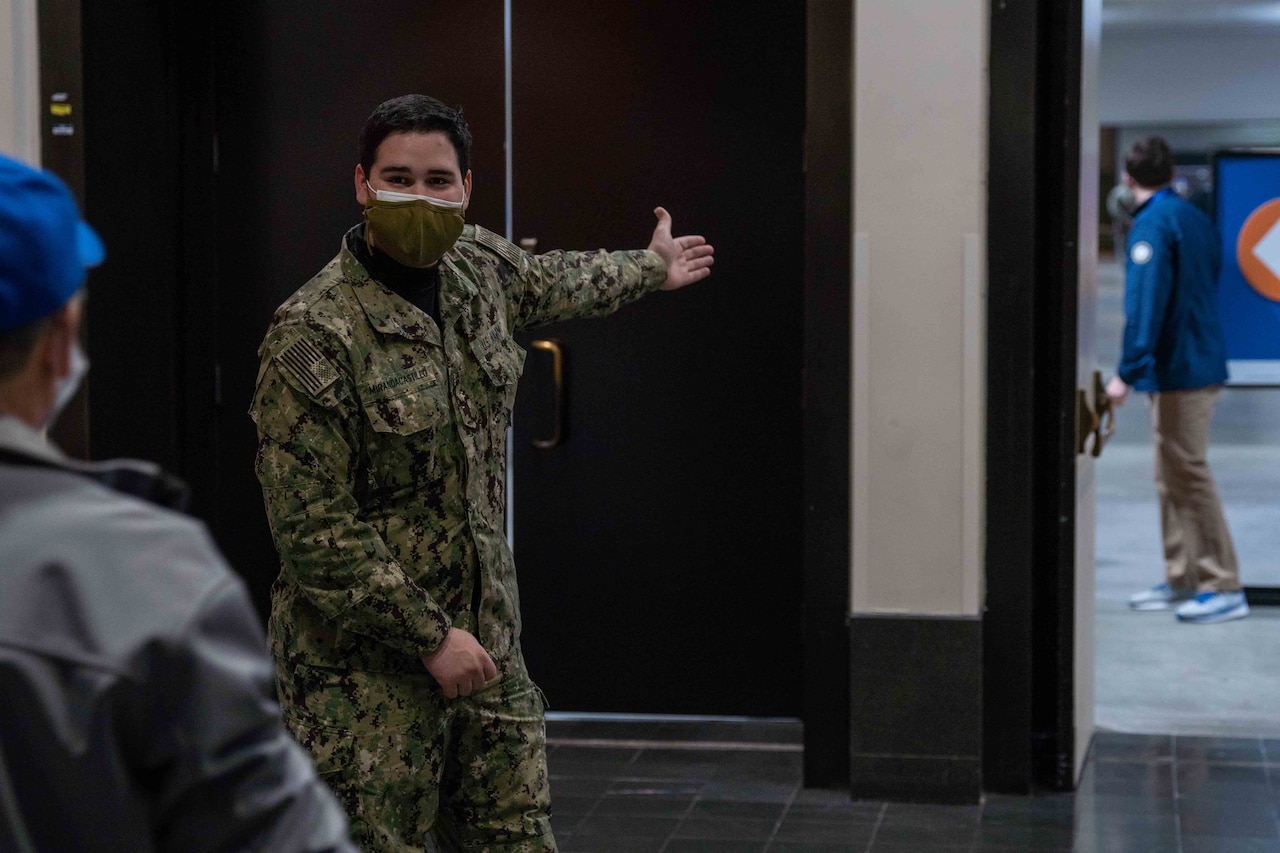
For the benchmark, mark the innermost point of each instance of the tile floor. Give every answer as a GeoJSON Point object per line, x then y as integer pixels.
{"type": "Point", "coordinates": [1139, 793]}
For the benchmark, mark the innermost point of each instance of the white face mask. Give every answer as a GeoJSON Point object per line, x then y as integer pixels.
{"type": "Point", "coordinates": [388, 195]}
{"type": "Point", "coordinates": [70, 383]}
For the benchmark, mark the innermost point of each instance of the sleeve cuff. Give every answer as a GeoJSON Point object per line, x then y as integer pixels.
{"type": "Point", "coordinates": [431, 629]}
{"type": "Point", "coordinates": [653, 270]}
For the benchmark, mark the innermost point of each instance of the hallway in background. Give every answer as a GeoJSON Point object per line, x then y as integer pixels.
{"type": "Point", "coordinates": [1153, 674]}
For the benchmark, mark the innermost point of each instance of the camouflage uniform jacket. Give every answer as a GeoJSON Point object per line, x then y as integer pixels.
{"type": "Point", "coordinates": [382, 447]}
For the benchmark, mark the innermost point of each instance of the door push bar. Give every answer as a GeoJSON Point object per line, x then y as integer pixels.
{"type": "Point", "coordinates": [1098, 421]}
{"type": "Point", "coordinates": [1106, 415]}
{"type": "Point", "coordinates": [557, 374]}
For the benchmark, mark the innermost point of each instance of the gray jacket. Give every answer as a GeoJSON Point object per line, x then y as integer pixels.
{"type": "Point", "coordinates": [137, 709]}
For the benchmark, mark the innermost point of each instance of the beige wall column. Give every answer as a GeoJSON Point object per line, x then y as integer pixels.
{"type": "Point", "coordinates": [919, 389]}
{"type": "Point", "coordinates": [19, 81]}
{"type": "Point", "coordinates": [920, 143]}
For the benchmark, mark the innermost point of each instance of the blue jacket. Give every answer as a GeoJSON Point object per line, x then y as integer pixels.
{"type": "Point", "coordinates": [1173, 338]}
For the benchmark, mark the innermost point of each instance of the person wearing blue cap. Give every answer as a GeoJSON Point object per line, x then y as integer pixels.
{"type": "Point", "coordinates": [137, 708]}
{"type": "Point", "coordinates": [44, 252]}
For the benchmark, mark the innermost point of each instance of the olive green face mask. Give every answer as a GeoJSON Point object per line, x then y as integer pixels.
{"type": "Point", "coordinates": [414, 230]}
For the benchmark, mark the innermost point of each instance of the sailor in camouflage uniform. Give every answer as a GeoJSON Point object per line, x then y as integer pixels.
{"type": "Point", "coordinates": [382, 406]}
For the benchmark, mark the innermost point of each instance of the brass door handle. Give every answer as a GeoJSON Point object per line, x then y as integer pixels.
{"type": "Point", "coordinates": [557, 375]}
{"type": "Point", "coordinates": [1087, 421]}
{"type": "Point", "coordinates": [1105, 418]}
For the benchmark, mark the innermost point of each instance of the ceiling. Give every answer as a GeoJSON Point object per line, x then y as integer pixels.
{"type": "Point", "coordinates": [1191, 14]}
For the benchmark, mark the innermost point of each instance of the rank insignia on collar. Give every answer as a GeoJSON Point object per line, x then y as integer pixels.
{"type": "Point", "coordinates": [504, 248]}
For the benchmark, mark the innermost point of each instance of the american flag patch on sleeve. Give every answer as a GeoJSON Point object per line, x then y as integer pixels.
{"type": "Point", "coordinates": [307, 366]}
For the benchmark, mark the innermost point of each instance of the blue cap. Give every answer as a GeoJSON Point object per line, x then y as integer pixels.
{"type": "Point", "coordinates": [44, 247]}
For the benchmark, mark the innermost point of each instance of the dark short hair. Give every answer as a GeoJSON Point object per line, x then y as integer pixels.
{"type": "Point", "coordinates": [415, 114]}
{"type": "Point", "coordinates": [1150, 162]}
{"type": "Point", "coordinates": [16, 346]}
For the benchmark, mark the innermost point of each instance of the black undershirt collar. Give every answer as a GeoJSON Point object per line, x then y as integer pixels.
{"type": "Point", "coordinates": [419, 287]}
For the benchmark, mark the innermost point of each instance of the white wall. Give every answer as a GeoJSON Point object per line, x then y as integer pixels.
{"type": "Point", "coordinates": [1202, 88]}
{"type": "Point", "coordinates": [19, 81]}
{"type": "Point", "coordinates": [920, 147]}
{"type": "Point", "coordinates": [1200, 138]}
{"type": "Point", "coordinates": [1198, 75]}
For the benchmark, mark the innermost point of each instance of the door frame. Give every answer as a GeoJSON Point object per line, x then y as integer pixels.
{"type": "Point", "coordinates": [1029, 738]}
{"type": "Point", "coordinates": [191, 129]}
{"type": "Point", "coordinates": [827, 423]}
{"type": "Point", "coordinates": [1032, 267]}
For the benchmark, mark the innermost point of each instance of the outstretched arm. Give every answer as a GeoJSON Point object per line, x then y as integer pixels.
{"type": "Point", "coordinates": [688, 259]}
{"type": "Point", "coordinates": [560, 285]}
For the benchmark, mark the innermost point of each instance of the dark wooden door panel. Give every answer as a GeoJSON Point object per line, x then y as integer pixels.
{"type": "Point", "coordinates": [663, 539]}
{"type": "Point", "coordinates": [659, 547]}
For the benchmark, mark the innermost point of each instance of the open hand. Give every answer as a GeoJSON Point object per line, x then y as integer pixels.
{"type": "Point", "coordinates": [688, 259]}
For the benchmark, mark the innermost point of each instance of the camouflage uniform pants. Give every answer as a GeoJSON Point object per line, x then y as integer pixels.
{"type": "Point", "coordinates": [418, 772]}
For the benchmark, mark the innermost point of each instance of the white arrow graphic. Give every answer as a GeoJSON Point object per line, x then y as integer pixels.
{"type": "Point", "coordinates": [1267, 250]}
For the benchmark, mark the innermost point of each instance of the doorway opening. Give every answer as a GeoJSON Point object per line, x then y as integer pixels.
{"type": "Point", "coordinates": [1153, 674]}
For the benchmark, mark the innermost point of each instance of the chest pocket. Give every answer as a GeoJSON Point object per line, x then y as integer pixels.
{"type": "Point", "coordinates": [502, 361]}
{"type": "Point", "coordinates": [405, 427]}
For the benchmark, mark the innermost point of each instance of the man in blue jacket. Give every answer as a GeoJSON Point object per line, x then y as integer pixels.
{"type": "Point", "coordinates": [1174, 350]}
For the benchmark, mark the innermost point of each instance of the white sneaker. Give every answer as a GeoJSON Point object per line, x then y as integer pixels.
{"type": "Point", "coordinates": [1209, 607]}
{"type": "Point", "coordinates": [1159, 597]}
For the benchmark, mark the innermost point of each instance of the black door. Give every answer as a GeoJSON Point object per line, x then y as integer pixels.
{"type": "Point", "coordinates": [663, 538]}
{"type": "Point", "coordinates": [294, 83]}
{"type": "Point", "coordinates": [659, 546]}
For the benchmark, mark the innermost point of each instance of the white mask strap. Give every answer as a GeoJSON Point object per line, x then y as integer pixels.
{"type": "Point", "coordinates": [391, 195]}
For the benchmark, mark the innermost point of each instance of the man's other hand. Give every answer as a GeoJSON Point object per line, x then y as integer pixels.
{"type": "Point", "coordinates": [688, 259]}
{"type": "Point", "coordinates": [460, 665]}
{"type": "Point", "coordinates": [1117, 390]}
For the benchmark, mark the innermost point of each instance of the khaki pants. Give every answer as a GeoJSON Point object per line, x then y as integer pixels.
{"type": "Point", "coordinates": [1198, 552]}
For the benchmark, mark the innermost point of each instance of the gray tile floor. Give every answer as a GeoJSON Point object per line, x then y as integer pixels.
{"type": "Point", "coordinates": [740, 792]}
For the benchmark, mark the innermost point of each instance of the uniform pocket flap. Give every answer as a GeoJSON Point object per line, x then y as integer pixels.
{"type": "Point", "coordinates": [500, 356]}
